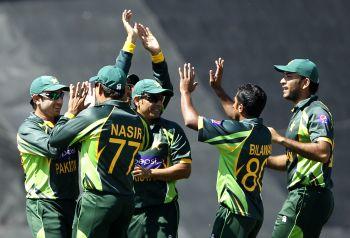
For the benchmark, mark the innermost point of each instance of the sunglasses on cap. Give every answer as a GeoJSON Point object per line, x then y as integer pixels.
{"type": "Point", "coordinates": [52, 95]}
{"type": "Point", "coordinates": [153, 98]}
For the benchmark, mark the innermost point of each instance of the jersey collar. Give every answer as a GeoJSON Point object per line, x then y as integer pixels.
{"type": "Point", "coordinates": [35, 118]}
{"type": "Point", "coordinates": [304, 103]}
{"type": "Point", "coordinates": [119, 104]}
{"type": "Point", "coordinates": [253, 121]}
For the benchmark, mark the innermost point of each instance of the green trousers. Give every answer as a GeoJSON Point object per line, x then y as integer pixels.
{"type": "Point", "coordinates": [155, 222]}
{"type": "Point", "coordinates": [231, 225]}
{"type": "Point", "coordinates": [304, 213]}
{"type": "Point", "coordinates": [50, 218]}
{"type": "Point", "coordinates": [100, 215]}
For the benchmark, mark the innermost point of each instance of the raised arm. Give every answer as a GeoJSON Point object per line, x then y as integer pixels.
{"type": "Point", "coordinates": [215, 82]}
{"type": "Point", "coordinates": [187, 86]}
{"type": "Point", "coordinates": [159, 65]}
{"type": "Point", "coordinates": [69, 126]}
{"type": "Point", "coordinates": [125, 55]}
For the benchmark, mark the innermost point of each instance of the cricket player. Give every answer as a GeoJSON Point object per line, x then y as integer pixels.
{"type": "Point", "coordinates": [168, 160]}
{"type": "Point", "coordinates": [309, 142]}
{"type": "Point", "coordinates": [110, 134]}
{"type": "Point", "coordinates": [244, 144]}
{"type": "Point", "coordinates": [51, 173]}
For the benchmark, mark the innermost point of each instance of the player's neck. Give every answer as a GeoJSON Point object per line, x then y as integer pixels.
{"type": "Point", "coordinates": [44, 116]}
{"type": "Point", "coordinates": [300, 98]}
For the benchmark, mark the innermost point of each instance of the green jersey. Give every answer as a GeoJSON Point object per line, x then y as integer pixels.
{"type": "Point", "coordinates": [170, 146]}
{"type": "Point", "coordinates": [244, 147]}
{"type": "Point", "coordinates": [311, 121]}
{"type": "Point", "coordinates": [50, 172]}
{"type": "Point", "coordinates": [109, 135]}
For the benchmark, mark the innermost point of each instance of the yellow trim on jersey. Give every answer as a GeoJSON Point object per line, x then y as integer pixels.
{"type": "Point", "coordinates": [158, 58]}
{"type": "Point", "coordinates": [239, 207]}
{"type": "Point", "coordinates": [326, 139]}
{"type": "Point", "coordinates": [129, 47]}
{"type": "Point", "coordinates": [200, 122]}
{"type": "Point", "coordinates": [49, 124]}
{"type": "Point", "coordinates": [185, 161]}
{"type": "Point", "coordinates": [69, 115]}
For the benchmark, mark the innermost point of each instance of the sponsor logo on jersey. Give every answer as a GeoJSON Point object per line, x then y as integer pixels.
{"type": "Point", "coordinates": [149, 162]}
{"type": "Point", "coordinates": [323, 119]}
{"type": "Point", "coordinates": [67, 154]}
{"type": "Point", "coordinates": [215, 122]}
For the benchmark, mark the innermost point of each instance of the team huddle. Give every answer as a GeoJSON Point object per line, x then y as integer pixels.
{"type": "Point", "coordinates": [108, 167]}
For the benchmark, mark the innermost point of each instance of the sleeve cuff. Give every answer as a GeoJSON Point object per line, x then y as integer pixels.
{"type": "Point", "coordinates": [129, 47]}
{"type": "Point", "coordinates": [186, 161]}
{"type": "Point", "coordinates": [326, 139]}
{"type": "Point", "coordinates": [69, 115]}
{"type": "Point", "coordinates": [158, 58]}
{"type": "Point", "coordinates": [200, 122]}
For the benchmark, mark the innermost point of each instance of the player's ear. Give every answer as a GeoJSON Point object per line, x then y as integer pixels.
{"type": "Point", "coordinates": [240, 108]}
{"type": "Point", "coordinates": [306, 83]}
{"type": "Point", "coordinates": [136, 101]}
{"type": "Point", "coordinates": [36, 98]}
{"type": "Point", "coordinates": [99, 89]}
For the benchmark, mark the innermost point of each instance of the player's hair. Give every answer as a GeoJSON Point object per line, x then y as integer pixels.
{"type": "Point", "coordinates": [313, 87]}
{"type": "Point", "coordinates": [253, 98]}
{"type": "Point", "coordinates": [32, 104]}
{"type": "Point", "coordinates": [113, 93]}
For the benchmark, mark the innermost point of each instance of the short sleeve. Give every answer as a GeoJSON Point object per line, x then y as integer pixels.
{"type": "Point", "coordinates": [180, 150]}
{"type": "Point", "coordinates": [210, 130]}
{"type": "Point", "coordinates": [320, 126]}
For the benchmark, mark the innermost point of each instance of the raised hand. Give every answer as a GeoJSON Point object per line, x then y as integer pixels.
{"type": "Point", "coordinates": [187, 75]}
{"type": "Point", "coordinates": [215, 79]}
{"type": "Point", "coordinates": [77, 95]}
{"type": "Point", "coordinates": [90, 97]}
{"type": "Point", "coordinates": [131, 31]}
{"type": "Point", "coordinates": [149, 41]}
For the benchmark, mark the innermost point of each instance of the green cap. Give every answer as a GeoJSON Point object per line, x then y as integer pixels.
{"type": "Point", "coordinates": [46, 83]}
{"type": "Point", "coordinates": [303, 67]}
{"type": "Point", "coordinates": [111, 77]}
{"type": "Point", "coordinates": [149, 86]}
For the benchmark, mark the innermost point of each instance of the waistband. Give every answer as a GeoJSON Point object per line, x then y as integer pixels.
{"type": "Point", "coordinates": [160, 206]}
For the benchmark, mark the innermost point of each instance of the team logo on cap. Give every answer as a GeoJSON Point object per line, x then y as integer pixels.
{"type": "Point", "coordinates": [119, 86]}
{"type": "Point", "coordinates": [323, 119]}
{"type": "Point", "coordinates": [290, 62]}
{"type": "Point", "coordinates": [156, 84]}
{"type": "Point", "coordinates": [54, 80]}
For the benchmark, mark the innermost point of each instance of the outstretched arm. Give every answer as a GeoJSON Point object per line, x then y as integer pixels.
{"type": "Point", "coordinates": [215, 82]}
{"type": "Point", "coordinates": [187, 86]}
{"type": "Point", "coordinates": [172, 173]}
{"type": "Point", "coordinates": [278, 162]}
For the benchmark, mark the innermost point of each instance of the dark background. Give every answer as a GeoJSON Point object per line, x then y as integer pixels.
{"type": "Point", "coordinates": [73, 39]}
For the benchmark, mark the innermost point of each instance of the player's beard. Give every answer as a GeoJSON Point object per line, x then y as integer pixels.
{"type": "Point", "coordinates": [292, 95]}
